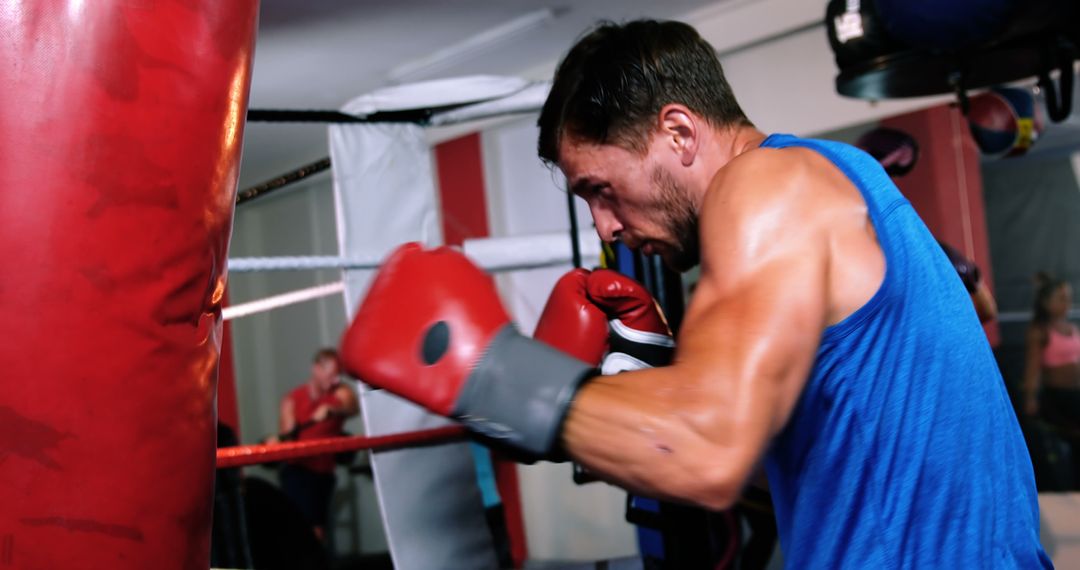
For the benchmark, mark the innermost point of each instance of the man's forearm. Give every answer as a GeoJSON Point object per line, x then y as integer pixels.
{"type": "Point", "coordinates": [633, 432]}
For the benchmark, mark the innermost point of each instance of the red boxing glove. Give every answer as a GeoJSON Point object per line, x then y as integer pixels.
{"type": "Point", "coordinates": [402, 329]}
{"type": "Point", "coordinates": [433, 331]}
{"type": "Point", "coordinates": [639, 334]}
{"type": "Point", "coordinates": [575, 320]}
{"type": "Point", "coordinates": [571, 322]}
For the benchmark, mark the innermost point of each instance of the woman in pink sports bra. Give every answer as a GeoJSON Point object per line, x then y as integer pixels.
{"type": "Point", "coordinates": [1052, 371]}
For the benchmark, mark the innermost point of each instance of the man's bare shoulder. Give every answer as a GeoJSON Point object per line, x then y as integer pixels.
{"type": "Point", "coordinates": [780, 169]}
{"type": "Point", "coordinates": [784, 184]}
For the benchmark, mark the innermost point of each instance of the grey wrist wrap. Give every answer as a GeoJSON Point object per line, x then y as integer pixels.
{"type": "Point", "coordinates": [520, 392]}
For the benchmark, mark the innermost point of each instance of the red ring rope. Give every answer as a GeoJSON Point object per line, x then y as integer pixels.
{"type": "Point", "coordinates": [255, 454]}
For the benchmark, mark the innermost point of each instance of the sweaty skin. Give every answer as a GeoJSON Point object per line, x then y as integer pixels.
{"type": "Point", "coordinates": [786, 249]}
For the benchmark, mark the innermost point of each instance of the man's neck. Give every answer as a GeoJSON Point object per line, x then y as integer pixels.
{"type": "Point", "coordinates": [737, 140]}
{"type": "Point", "coordinates": [725, 145]}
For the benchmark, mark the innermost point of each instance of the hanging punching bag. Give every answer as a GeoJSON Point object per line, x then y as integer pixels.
{"type": "Point", "coordinates": [120, 132]}
{"type": "Point", "coordinates": [948, 26]}
{"type": "Point", "coordinates": [910, 48]}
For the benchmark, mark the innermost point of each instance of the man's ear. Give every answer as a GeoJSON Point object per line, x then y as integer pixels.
{"type": "Point", "coordinates": [680, 128]}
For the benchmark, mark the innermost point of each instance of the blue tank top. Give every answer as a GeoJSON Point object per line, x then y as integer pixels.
{"type": "Point", "coordinates": [903, 450]}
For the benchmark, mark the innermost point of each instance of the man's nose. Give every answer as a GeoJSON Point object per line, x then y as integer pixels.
{"type": "Point", "coordinates": [607, 226]}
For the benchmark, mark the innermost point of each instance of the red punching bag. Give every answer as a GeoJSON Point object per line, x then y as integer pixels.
{"type": "Point", "coordinates": [120, 132]}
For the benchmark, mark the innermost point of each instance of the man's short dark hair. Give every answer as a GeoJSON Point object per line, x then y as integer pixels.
{"type": "Point", "coordinates": [326, 353]}
{"type": "Point", "coordinates": [612, 84]}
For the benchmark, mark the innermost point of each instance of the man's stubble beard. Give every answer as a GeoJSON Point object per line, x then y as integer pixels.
{"type": "Point", "coordinates": [678, 216]}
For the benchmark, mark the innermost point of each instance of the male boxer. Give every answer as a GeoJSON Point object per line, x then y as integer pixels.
{"type": "Point", "coordinates": [316, 409]}
{"type": "Point", "coordinates": [822, 340]}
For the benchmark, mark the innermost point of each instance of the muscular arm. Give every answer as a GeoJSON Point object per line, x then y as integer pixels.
{"type": "Point", "coordinates": [696, 430]}
{"type": "Point", "coordinates": [286, 416]}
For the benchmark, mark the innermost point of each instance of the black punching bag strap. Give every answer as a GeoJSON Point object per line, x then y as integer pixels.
{"type": "Point", "coordinates": [1058, 101]}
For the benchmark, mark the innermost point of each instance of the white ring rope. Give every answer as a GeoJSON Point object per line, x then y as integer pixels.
{"type": "Point", "coordinates": [283, 300]}
{"type": "Point", "coordinates": [297, 263]}
{"type": "Point", "coordinates": [495, 255]}
{"type": "Point", "coordinates": [492, 254]}
{"type": "Point", "coordinates": [300, 263]}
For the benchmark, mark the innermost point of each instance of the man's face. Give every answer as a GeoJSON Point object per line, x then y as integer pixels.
{"type": "Point", "coordinates": [325, 372]}
{"type": "Point", "coordinates": [633, 199]}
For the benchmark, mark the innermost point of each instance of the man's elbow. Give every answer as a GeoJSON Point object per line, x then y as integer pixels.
{"type": "Point", "coordinates": [718, 488]}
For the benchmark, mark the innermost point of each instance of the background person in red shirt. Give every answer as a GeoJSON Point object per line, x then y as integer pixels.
{"type": "Point", "coordinates": [316, 409]}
